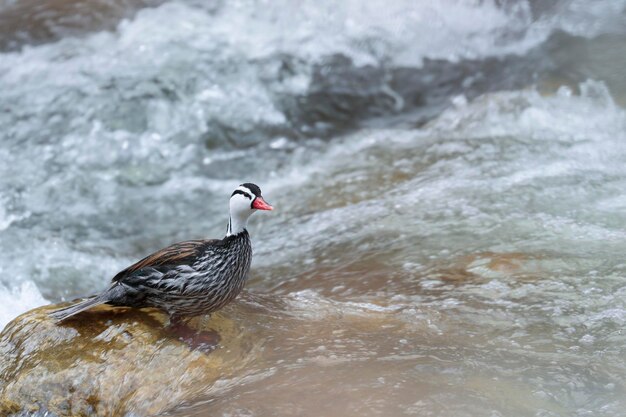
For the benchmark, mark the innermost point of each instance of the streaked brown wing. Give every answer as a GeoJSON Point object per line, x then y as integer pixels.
{"type": "Point", "coordinates": [176, 254]}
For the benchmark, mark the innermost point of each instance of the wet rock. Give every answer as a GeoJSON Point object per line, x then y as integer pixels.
{"type": "Point", "coordinates": [37, 22]}
{"type": "Point", "coordinates": [112, 362]}
{"type": "Point", "coordinates": [343, 96]}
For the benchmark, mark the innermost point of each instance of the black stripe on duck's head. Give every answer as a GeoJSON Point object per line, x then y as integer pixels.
{"type": "Point", "coordinates": [254, 189]}
{"type": "Point", "coordinates": [252, 193]}
{"type": "Point", "coordinates": [248, 190]}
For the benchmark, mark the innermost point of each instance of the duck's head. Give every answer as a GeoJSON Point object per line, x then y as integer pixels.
{"type": "Point", "coordinates": [245, 200]}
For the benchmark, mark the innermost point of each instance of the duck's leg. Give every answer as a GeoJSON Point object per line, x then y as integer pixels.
{"type": "Point", "coordinates": [202, 340]}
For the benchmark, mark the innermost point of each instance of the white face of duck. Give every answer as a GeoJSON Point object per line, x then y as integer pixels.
{"type": "Point", "coordinates": [245, 200]}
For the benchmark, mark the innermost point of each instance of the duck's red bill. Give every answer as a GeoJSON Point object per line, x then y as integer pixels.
{"type": "Point", "coordinates": [260, 204]}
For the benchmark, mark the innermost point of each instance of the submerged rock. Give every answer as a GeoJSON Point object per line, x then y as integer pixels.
{"type": "Point", "coordinates": [110, 361]}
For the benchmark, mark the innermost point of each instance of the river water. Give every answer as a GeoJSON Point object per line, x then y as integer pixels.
{"type": "Point", "coordinates": [449, 180]}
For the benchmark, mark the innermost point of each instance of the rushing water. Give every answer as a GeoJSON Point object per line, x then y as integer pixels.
{"type": "Point", "coordinates": [449, 178]}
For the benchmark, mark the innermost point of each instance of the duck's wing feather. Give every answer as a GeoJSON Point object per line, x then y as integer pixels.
{"type": "Point", "coordinates": [181, 253]}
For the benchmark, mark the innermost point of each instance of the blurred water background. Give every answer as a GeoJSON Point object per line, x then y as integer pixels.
{"type": "Point", "coordinates": [449, 178]}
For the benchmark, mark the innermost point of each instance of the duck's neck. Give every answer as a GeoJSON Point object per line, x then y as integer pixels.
{"type": "Point", "coordinates": [236, 225]}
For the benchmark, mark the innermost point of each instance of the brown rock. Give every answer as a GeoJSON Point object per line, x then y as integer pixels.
{"type": "Point", "coordinates": [111, 361]}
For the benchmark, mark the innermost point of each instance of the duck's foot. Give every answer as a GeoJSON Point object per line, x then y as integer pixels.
{"type": "Point", "coordinates": [203, 341]}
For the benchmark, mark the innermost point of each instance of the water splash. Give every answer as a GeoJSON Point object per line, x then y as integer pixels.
{"type": "Point", "coordinates": [16, 300]}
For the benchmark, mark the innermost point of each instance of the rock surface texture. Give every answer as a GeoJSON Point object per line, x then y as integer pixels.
{"type": "Point", "coordinates": [110, 362]}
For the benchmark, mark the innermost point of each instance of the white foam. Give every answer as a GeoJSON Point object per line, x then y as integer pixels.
{"type": "Point", "coordinates": [18, 300]}
{"type": "Point", "coordinates": [404, 32]}
{"type": "Point", "coordinates": [489, 157]}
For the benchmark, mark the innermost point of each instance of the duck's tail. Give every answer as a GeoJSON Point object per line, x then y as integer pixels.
{"type": "Point", "coordinates": [65, 312]}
